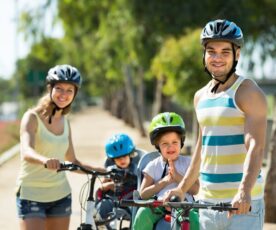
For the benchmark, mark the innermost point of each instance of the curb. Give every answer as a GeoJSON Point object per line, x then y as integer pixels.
{"type": "Point", "coordinates": [9, 154]}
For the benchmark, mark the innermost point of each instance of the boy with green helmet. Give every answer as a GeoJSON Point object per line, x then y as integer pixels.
{"type": "Point", "coordinates": [167, 134]}
{"type": "Point", "coordinates": [165, 122]}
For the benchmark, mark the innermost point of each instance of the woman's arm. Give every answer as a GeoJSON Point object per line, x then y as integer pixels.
{"type": "Point", "coordinates": [28, 128]}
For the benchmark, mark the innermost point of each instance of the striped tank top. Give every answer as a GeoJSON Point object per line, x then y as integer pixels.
{"type": "Point", "coordinates": [223, 148]}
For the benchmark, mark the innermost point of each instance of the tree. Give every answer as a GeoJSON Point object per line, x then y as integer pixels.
{"type": "Point", "coordinates": [101, 37]}
{"type": "Point", "coordinates": [179, 65]}
{"type": "Point", "coordinates": [270, 185]}
{"type": "Point", "coordinates": [7, 90]}
{"type": "Point", "coordinates": [32, 70]}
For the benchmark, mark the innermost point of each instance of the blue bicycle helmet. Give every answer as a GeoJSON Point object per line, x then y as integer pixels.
{"type": "Point", "coordinates": [64, 73]}
{"type": "Point", "coordinates": [223, 30]}
{"type": "Point", "coordinates": [119, 145]}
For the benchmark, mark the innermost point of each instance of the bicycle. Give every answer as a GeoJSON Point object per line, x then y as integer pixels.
{"type": "Point", "coordinates": [180, 217]}
{"type": "Point", "coordinates": [91, 223]}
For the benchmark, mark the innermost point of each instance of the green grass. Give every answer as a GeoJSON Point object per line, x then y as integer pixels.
{"type": "Point", "coordinates": [9, 134]}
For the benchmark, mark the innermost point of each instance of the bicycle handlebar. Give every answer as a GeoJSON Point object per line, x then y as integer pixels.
{"type": "Point", "coordinates": [183, 204]}
{"type": "Point", "coordinates": [66, 166]}
{"type": "Point", "coordinates": [115, 174]}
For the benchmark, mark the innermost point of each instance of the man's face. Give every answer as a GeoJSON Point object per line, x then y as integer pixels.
{"type": "Point", "coordinates": [219, 58]}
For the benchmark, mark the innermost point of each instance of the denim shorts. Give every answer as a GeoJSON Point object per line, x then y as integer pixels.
{"type": "Point", "coordinates": [216, 220]}
{"type": "Point", "coordinates": [30, 209]}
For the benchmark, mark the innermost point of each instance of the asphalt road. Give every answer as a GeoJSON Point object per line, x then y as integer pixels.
{"type": "Point", "coordinates": [90, 129]}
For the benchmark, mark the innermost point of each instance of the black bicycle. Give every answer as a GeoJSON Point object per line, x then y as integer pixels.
{"type": "Point", "coordinates": [179, 209]}
{"type": "Point", "coordinates": [91, 222]}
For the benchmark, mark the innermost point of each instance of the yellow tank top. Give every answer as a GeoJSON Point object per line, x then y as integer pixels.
{"type": "Point", "coordinates": [37, 183]}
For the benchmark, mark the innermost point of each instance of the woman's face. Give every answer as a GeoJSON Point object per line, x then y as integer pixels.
{"type": "Point", "coordinates": [122, 162]}
{"type": "Point", "coordinates": [63, 94]}
{"type": "Point", "coordinates": [170, 145]}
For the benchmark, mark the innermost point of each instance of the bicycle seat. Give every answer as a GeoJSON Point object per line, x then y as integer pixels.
{"type": "Point", "coordinates": [145, 159]}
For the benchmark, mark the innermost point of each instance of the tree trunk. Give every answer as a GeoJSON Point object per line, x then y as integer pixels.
{"type": "Point", "coordinates": [270, 185]}
{"type": "Point", "coordinates": [140, 94]}
{"type": "Point", "coordinates": [131, 99]}
{"type": "Point", "coordinates": [157, 105]}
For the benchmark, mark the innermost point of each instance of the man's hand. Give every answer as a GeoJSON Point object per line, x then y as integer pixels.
{"type": "Point", "coordinates": [174, 192]}
{"type": "Point", "coordinates": [242, 201]}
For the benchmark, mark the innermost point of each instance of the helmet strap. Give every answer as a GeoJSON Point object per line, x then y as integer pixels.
{"type": "Point", "coordinates": [165, 170]}
{"type": "Point", "coordinates": [56, 108]}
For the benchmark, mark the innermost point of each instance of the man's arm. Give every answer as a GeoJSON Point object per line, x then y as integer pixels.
{"type": "Point", "coordinates": [192, 173]}
{"type": "Point", "coordinates": [252, 102]}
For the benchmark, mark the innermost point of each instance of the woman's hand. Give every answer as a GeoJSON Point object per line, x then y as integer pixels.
{"type": "Point", "coordinates": [52, 163]}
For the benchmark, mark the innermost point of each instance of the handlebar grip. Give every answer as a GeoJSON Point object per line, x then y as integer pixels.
{"type": "Point", "coordinates": [62, 165]}
{"type": "Point", "coordinates": [175, 199]}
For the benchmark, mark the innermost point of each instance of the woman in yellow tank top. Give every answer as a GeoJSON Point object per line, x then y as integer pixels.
{"type": "Point", "coordinates": [44, 196]}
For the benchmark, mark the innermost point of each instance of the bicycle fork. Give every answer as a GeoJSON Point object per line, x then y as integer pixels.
{"type": "Point", "coordinates": [89, 223]}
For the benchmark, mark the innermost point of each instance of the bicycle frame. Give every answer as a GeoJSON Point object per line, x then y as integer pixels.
{"type": "Point", "coordinates": [90, 223]}
{"type": "Point", "coordinates": [179, 204]}
{"type": "Point", "coordinates": [174, 205]}
{"type": "Point", "coordinates": [90, 208]}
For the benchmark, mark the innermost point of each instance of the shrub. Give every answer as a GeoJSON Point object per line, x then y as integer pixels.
{"type": "Point", "coordinates": [9, 133]}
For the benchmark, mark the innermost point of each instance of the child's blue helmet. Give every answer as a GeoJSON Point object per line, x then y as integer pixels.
{"type": "Point", "coordinates": [119, 145]}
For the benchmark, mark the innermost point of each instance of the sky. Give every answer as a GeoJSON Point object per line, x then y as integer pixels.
{"type": "Point", "coordinates": [7, 38]}
{"type": "Point", "coordinates": [12, 44]}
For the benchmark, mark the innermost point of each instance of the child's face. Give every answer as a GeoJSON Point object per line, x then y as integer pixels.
{"type": "Point", "coordinates": [122, 162]}
{"type": "Point", "coordinates": [170, 145]}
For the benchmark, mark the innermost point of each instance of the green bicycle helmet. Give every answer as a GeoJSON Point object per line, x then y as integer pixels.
{"type": "Point", "coordinates": [164, 122]}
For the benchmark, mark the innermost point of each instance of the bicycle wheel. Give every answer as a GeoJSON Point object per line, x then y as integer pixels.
{"type": "Point", "coordinates": [110, 217]}
{"type": "Point", "coordinates": [124, 219]}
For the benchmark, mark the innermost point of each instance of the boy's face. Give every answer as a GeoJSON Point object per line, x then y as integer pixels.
{"type": "Point", "coordinates": [122, 162]}
{"type": "Point", "coordinates": [170, 145]}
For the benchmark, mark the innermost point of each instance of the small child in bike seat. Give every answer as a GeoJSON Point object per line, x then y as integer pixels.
{"type": "Point", "coordinates": [167, 134]}
{"type": "Point", "coordinates": [119, 149]}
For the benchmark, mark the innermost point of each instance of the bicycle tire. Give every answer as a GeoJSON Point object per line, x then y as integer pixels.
{"type": "Point", "coordinates": [111, 216]}
{"type": "Point", "coordinates": [121, 221]}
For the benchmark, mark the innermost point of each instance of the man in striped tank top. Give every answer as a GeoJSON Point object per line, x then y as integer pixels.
{"type": "Point", "coordinates": [231, 113]}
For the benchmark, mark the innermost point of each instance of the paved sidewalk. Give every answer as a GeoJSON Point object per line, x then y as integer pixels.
{"type": "Point", "coordinates": [90, 129]}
